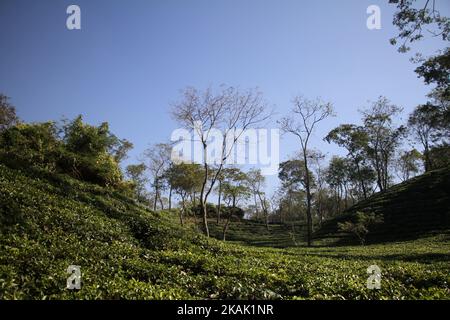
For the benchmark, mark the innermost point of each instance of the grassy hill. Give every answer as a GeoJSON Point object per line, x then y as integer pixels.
{"type": "Point", "coordinates": [50, 221]}
{"type": "Point", "coordinates": [411, 209]}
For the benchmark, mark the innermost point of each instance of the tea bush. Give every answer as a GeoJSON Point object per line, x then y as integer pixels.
{"type": "Point", "coordinates": [49, 221]}
{"type": "Point", "coordinates": [83, 151]}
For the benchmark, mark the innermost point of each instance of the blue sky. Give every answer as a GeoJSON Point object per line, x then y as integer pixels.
{"type": "Point", "coordinates": [131, 58]}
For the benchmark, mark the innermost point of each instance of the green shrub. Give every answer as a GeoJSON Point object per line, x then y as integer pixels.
{"type": "Point", "coordinates": [84, 152]}
{"type": "Point", "coordinates": [27, 145]}
{"type": "Point", "coordinates": [361, 224]}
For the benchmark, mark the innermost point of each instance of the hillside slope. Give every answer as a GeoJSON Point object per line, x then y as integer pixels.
{"type": "Point", "coordinates": [49, 221]}
{"type": "Point", "coordinates": [411, 209]}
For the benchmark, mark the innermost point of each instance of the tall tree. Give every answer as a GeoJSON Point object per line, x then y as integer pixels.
{"type": "Point", "coordinates": [423, 125]}
{"type": "Point", "coordinates": [355, 139]}
{"type": "Point", "coordinates": [317, 160]}
{"type": "Point", "coordinates": [120, 149]}
{"type": "Point", "coordinates": [383, 137]}
{"type": "Point", "coordinates": [256, 182]}
{"type": "Point", "coordinates": [184, 178]}
{"type": "Point", "coordinates": [408, 164]}
{"type": "Point", "coordinates": [293, 179]}
{"type": "Point", "coordinates": [157, 159]}
{"type": "Point", "coordinates": [232, 112]}
{"type": "Point", "coordinates": [309, 113]}
{"type": "Point", "coordinates": [235, 187]}
{"type": "Point", "coordinates": [136, 173]}
{"type": "Point", "coordinates": [338, 178]}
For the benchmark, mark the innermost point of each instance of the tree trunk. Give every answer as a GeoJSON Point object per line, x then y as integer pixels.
{"type": "Point", "coordinates": [386, 172]}
{"type": "Point", "coordinates": [427, 163]}
{"type": "Point", "coordinates": [338, 199]}
{"type": "Point", "coordinates": [203, 208]}
{"type": "Point", "coordinates": [264, 209]}
{"type": "Point", "coordinates": [378, 169]}
{"type": "Point", "coordinates": [183, 210]}
{"type": "Point", "coordinates": [170, 198]}
{"type": "Point", "coordinates": [225, 228]}
{"type": "Point", "coordinates": [345, 197]}
{"type": "Point", "coordinates": [205, 218]}
{"type": "Point", "coordinates": [363, 186]}
{"type": "Point", "coordinates": [308, 199]}
{"type": "Point", "coordinates": [161, 203]}
{"type": "Point", "coordinates": [256, 206]}
{"type": "Point", "coordinates": [218, 202]}
{"type": "Point", "coordinates": [156, 197]}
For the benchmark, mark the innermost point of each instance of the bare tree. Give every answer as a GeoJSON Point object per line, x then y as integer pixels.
{"type": "Point", "coordinates": [157, 158]}
{"type": "Point", "coordinates": [231, 111]}
{"type": "Point", "coordinates": [306, 115]}
{"type": "Point", "coordinates": [256, 182]}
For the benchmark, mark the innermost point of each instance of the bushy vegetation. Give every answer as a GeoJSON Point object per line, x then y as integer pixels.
{"type": "Point", "coordinates": [83, 151]}
{"type": "Point", "coordinates": [50, 221]}
{"type": "Point", "coordinates": [63, 201]}
{"type": "Point", "coordinates": [360, 227]}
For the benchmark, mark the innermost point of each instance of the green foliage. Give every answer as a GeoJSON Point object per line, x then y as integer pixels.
{"type": "Point", "coordinates": [84, 151]}
{"type": "Point", "coordinates": [412, 19]}
{"type": "Point", "coordinates": [27, 145]}
{"type": "Point", "coordinates": [408, 164]}
{"type": "Point", "coordinates": [440, 156]}
{"type": "Point", "coordinates": [351, 137]}
{"type": "Point", "coordinates": [49, 221]}
{"type": "Point", "coordinates": [436, 70]}
{"type": "Point", "coordinates": [427, 124]}
{"type": "Point", "coordinates": [338, 173]}
{"type": "Point", "coordinates": [292, 174]}
{"type": "Point", "coordinates": [231, 212]}
{"type": "Point", "coordinates": [136, 174]}
{"type": "Point", "coordinates": [235, 186]}
{"type": "Point", "coordinates": [383, 137]}
{"type": "Point", "coordinates": [185, 178]}
{"type": "Point", "coordinates": [211, 209]}
{"type": "Point", "coordinates": [355, 140]}
{"type": "Point", "coordinates": [87, 140]}
{"type": "Point", "coordinates": [360, 227]}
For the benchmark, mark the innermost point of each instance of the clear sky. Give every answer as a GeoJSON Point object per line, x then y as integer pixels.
{"type": "Point", "coordinates": [131, 58]}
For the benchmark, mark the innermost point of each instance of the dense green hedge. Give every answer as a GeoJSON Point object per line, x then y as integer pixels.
{"type": "Point", "coordinates": [80, 150]}
{"type": "Point", "coordinates": [49, 221]}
